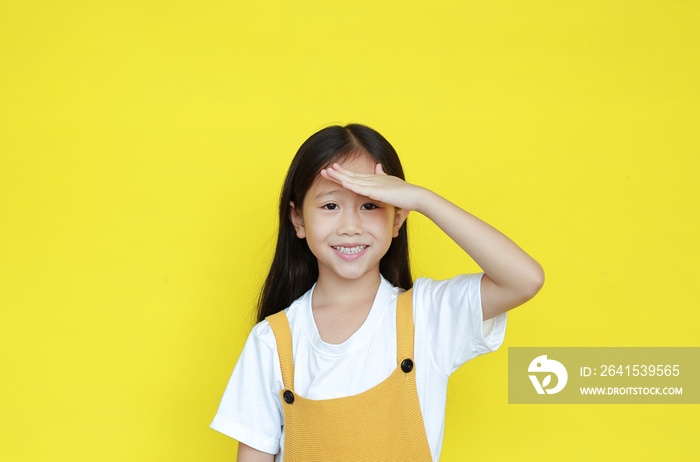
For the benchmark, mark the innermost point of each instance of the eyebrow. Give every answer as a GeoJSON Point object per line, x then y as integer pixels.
{"type": "Point", "coordinates": [328, 193]}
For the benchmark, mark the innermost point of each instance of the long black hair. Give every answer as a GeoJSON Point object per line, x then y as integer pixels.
{"type": "Point", "coordinates": [294, 268]}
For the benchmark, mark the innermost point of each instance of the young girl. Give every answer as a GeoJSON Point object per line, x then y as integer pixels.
{"type": "Point", "coordinates": [350, 358]}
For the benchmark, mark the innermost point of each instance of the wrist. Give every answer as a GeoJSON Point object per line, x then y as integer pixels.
{"type": "Point", "coordinates": [425, 200]}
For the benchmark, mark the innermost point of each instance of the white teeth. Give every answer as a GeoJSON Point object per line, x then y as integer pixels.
{"type": "Point", "coordinates": [350, 250]}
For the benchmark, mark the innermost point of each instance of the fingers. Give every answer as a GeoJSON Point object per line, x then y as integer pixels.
{"type": "Point", "coordinates": [361, 183]}
{"type": "Point", "coordinates": [338, 174]}
{"type": "Point", "coordinates": [334, 175]}
{"type": "Point", "coordinates": [377, 185]}
{"type": "Point", "coordinates": [336, 168]}
{"type": "Point", "coordinates": [340, 171]}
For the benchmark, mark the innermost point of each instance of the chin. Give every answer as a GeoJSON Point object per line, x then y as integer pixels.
{"type": "Point", "coordinates": [353, 276]}
{"type": "Point", "coordinates": [350, 277]}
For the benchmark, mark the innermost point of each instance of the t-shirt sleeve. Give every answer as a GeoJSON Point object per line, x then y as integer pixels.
{"type": "Point", "coordinates": [451, 311]}
{"type": "Point", "coordinates": [250, 411]}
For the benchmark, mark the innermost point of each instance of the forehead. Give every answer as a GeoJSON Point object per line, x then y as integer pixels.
{"type": "Point", "coordinates": [360, 163]}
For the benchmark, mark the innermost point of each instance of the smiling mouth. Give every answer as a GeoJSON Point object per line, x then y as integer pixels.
{"type": "Point", "coordinates": [350, 250]}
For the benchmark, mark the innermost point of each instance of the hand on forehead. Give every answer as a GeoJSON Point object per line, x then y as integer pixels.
{"type": "Point", "coordinates": [361, 163]}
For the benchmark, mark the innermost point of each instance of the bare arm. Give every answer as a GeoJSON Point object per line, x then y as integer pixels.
{"type": "Point", "coordinates": [248, 454]}
{"type": "Point", "coordinates": [512, 276]}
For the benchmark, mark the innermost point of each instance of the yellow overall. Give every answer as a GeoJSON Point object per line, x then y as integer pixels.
{"type": "Point", "coordinates": [382, 423]}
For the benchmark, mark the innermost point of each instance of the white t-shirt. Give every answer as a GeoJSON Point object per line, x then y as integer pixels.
{"type": "Point", "coordinates": [448, 332]}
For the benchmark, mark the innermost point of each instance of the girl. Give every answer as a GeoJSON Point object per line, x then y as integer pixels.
{"type": "Point", "coordinates": [350, 358]}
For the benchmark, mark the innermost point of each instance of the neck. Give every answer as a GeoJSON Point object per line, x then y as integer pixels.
{"type": "Point", "coordinates": [331, 289]}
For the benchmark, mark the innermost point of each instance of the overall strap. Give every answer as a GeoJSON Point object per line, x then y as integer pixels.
{"type": "Point", "coordinates": [283, 335]}
{"type": "Point", "coordinates": [404, 326]}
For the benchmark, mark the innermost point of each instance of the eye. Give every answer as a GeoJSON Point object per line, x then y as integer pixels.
{"type": "Point", "coordinates": [330, 206]}
{"type": "Point", "coordinates": [370, 206]}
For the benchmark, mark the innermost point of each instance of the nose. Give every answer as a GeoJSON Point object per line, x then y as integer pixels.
{"type": "Point", "coordinates": [350, 222]}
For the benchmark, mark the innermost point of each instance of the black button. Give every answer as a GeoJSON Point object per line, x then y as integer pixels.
{"type": "Point", "coordinates": [288, 396]}
{"type": "Point", "coordinates": [407, 365]}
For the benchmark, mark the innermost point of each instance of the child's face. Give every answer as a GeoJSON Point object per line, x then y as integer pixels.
{"type": "Point", "coordinates": [348, 233]}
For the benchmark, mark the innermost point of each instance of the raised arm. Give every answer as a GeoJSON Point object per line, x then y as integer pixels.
{"type": "Point", "coordinates": [511, 276]}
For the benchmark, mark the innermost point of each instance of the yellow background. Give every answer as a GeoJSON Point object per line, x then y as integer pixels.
{"type": "Point", "coordinates": [144, 144]}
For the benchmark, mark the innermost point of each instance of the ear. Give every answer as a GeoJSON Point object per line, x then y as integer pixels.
{"type": "Point", "coordinates": [401, 215]}
{"type": "Point", "coordinates": [297, 220]}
